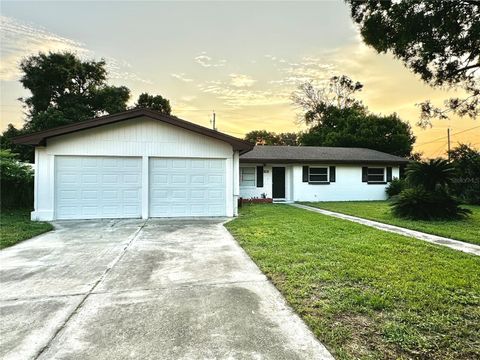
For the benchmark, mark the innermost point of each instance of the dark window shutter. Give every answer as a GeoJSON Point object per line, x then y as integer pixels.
{"type": "Point", "coordinates": [389, 174]}
{"type": "Point", "coordinates": [259, 176]}
{"type": "Point", "coordinates": [364, 174]}
{"type": "Point", "coordinates": [305, 174]}
{"type": "Point", "coordinates": [332, 173]}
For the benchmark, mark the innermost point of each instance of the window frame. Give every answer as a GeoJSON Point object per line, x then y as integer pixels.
{"type": "Point", "coordinates": [327, 168]}
{"type": "Point", "coordinates": [254, 173]}
{"type": "Point", "coordinates": [383, 181]}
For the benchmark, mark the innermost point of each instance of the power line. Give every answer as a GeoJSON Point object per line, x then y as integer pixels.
{"type": "Point", "coordinates": [444, 137]}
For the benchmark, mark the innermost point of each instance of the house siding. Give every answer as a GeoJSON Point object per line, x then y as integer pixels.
{"type": "Point", "coordinates": [139, 137]}
{"type": "Point", "coordinates": [347, 187]}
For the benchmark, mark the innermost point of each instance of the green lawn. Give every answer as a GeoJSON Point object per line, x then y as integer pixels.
{"type": "Point", "coordinates": [367, 293]}
{"type": "Point", "coordinates": [467, 230]}
{"type": "Point", "coordinates": [15, 226]}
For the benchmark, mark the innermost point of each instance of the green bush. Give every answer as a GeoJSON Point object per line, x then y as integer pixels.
{"type": "Point", "coordinates": [16, 182]}
{"type": "Point", "coordinates": [420, 204]}
{"type": "Point", "coordinates": [395, 187]}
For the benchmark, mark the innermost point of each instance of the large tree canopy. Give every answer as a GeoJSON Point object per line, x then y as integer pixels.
{"type": "Point", "coordinates": [157, 103]}
{"type": "Point", "coordinates": [436, 39]}
{"type": "Point", "coordinates": [64, 89]}
{"type": "Point", "coordinates": [355, 127]}
{"type": "Point", "coordinates": [336, 118]}
{"type": "Point", "coordinates": [63, 83]}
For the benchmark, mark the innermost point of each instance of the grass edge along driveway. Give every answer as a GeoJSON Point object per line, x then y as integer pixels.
{"type": "Point", "coordinates": [366, 293]}
{"type": "Point", "coordinates": [16, 226]}
{"type": "Point", "coordinates": [467, 230]}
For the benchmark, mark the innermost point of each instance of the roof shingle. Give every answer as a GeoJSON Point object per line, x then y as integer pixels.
{"type": "Point", "coordinates": [318, 154]}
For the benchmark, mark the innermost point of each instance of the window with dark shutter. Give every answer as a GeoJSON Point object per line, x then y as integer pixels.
{"type": "Point", "coordinates": [259, 176]}
{"type": "Point", "coordinates": [364, 174]}
{"type": "Point", "coordinates": [305, 174]}
{"type": "Point", "coordinates": [389, 174]}
{"type": "Point", "coordinates": [332, 174]}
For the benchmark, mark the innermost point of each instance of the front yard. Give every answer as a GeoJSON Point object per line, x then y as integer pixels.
{"type": "Point", "coordinates": [467, 230]}
{"type": "Point", "coordinates": [366, 293]}
{"type": "Point", "coordinates": [15, 226]}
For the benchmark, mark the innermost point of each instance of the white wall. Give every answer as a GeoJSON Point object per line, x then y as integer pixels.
{"type": "Point", "coordinates": [348, 185]}
{"type": "Point", "coordinates": [142, 137]}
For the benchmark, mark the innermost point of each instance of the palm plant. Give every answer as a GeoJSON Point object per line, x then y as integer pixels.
{"type": "Point", "coordinates": [431, 175]}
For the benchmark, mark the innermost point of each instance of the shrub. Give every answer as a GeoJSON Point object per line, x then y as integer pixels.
{"type": "Point", "coordinates": [16, 182]}
{"type": "Point", "coordinates": [418, 203]}
{"type": "Point", "coordinates": [395, 187]}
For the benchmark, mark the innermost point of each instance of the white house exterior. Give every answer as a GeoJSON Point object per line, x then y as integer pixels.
{"type": "Point", "coordinates": [135, 164]}
{"type": "Point", "coordinates": [317, 173]}
{"type": "Point", "coordinates": [141, 164]}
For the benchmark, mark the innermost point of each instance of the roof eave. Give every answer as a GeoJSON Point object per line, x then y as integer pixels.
{"type": "Point", "coordinates": [320, 161]}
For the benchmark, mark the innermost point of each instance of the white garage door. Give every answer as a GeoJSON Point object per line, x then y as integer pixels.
{"type": "Point", "coordinates": [187, 187]}
{"type": "Point", "coordinates": [97, 187]}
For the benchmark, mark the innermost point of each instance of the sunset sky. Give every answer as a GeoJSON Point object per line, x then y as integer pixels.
{"type": "Point", "coordinates": [242, 60]}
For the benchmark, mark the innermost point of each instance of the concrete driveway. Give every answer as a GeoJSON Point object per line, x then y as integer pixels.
{"type": "Point", "coordinates": [155, 289]}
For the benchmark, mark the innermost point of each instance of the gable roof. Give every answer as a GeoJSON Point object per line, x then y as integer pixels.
{"type": "Point", "coordinates": [39, 138]}
{"type": "Point", "coordinates": [318, 154]}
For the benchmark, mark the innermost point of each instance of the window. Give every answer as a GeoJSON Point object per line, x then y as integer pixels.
{"type": "Point", "coordinates": [247, 176]}
{"type": "Point", "coordinates": [376, 175]}
{"type": "Point", "coordinates": [318, 174]}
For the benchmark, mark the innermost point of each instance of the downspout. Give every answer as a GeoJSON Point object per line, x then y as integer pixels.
{"type": "Point", "coordinates": [236, 195]}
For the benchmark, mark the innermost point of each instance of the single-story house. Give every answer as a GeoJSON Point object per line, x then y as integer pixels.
{"type": "Point", "coordinates": [315, 173]}
{"type": "Point", "coordinates": [140, 163]}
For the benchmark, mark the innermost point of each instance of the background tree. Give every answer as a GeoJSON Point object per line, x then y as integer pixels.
{"type": "Point", "coordinates": [64, 89]}
{"type": "Point", "coordinates": [338, 92]}
{"type": "Point", "coordinates": [264, 137]}
{"type": "Point", "coordinates": [438, 40]}
{"type": "Point", "coordinates": [336, 118]}
{"type": "Point", "coordinates": [466, 184]}
{"type": "Point", "coordinates": [157, 103]}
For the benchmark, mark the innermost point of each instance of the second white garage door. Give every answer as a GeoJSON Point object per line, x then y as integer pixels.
{"type": "Point", "coordinates": [187, 187]}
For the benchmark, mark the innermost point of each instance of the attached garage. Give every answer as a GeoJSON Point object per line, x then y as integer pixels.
{"type": "Point", "coordinates": [138, 163]}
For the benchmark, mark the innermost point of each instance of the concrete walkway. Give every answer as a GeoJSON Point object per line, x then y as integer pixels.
{"type": "Point", "coordinates": [156, 289]}
{"type": "Point", "coordinates": [434, 239]}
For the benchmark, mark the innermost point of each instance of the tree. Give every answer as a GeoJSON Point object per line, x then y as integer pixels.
{"type": "Point", "coordinates": [355, 127]}
{"type": "Point", "coordinates": [16, 182]}
{"type": "Point", "coordinates": [264, 137]}
{"type": "Point", "coordinates": [64, 89]}
{"type": "Point", "coordinates": [438, 40]}
{"type": "Point", "coordinates": [314, 101]}
{"type": "Point", "coordinates": [432, 174]}
{"type": "Point", "coordinates": [466, 184]}
{"type": "Point", "coordinates": [157, 103]}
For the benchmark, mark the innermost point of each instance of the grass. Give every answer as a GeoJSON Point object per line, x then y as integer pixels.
{"type": "Point", "coordinates": [15, 226]}
{"type": "Point", "coordinates": [467, 230]}
{"type": "Point", "coordinates": [366, 293]}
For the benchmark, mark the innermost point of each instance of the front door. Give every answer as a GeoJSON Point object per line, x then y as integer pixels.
{"type": "Point", "coordinates": [278, 182]}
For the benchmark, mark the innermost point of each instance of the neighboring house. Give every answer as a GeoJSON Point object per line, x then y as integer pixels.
{"type": "Point", "coordinates": [140, 163]}
{"type": "Point", "coordinates": [311, 173]}
{"type": "Point", "coordinates": [137, 163]}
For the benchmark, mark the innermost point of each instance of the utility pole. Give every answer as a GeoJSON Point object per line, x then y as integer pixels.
{"type": "Point", "coordinates": [448, 136]}
{"type": "Point", "coordinates": [213, 121]}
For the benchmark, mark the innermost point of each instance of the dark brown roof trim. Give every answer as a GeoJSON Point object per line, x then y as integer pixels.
{"type": "Point", "coordinates": [309, 161]}
{"type": "Point", "coordinates": [39, 138]}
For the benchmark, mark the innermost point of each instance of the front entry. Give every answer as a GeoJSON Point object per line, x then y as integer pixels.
{"type": "Point", "coordinates": [278, 183]}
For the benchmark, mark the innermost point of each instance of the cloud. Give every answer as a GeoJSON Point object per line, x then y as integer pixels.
{"type": "Point", "coordinates": [181, 77]}
{"type": "Point", "coordinates": [20, 39]}
{"type": "Point", "coordinates": [240, 80]}
{"type": "Point", "coordinates": [206, 61]}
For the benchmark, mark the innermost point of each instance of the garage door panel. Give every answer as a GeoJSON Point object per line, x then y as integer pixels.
{"type": "Point", "coordinates": [97, 187]}
{"type": "Point", "coordinates": [182, 187]}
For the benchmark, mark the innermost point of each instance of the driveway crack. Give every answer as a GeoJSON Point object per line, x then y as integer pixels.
{"type": "Point", "coordinates": [91, 290]}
